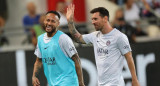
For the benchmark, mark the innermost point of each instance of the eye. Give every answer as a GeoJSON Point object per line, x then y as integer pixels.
{"type": "Point", "coordinates": [48, 20]}
{"type": "Point", "coordinates": [94, 19]}
{"type": "Point", "coordinates": [53, 21]}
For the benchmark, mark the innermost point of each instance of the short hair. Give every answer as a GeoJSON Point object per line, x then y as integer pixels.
{"type": "Point", "coordinates": [54, 12]}
{"type": "Point", "coordinates": [103, 11]}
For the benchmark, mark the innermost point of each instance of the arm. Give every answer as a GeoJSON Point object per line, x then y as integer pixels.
{"type": "Point", "coordinates": [37, 67]}
{"type": "Point", "coordinates": [75, 34]}
{"type": "Point", "coordinates": [78, 67]}
{"type": "Point", "coordinates": [131, 66]}
{"type": "Point", "coordinates": [34, 39]}
{"type": "Point", "coordinates": [146, 5]}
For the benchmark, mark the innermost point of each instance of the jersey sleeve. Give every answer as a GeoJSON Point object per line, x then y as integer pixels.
{"type": "Point", "coordinates": [37, 52]}
{"type": "Point", "coordinates": [87, 38]}
{"type": "Point", "coordinates": [123, 44]}
{"type": "Point", "coordinates": [67, 45]}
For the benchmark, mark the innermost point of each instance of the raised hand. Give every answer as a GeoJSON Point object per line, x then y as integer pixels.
{"type": "Point", "coordinates": [70, 13]}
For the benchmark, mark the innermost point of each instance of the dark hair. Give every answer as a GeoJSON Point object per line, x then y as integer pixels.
{"type": "Point", "coordinates": [103, 11]}
{"type": "Point", "coordinates": [54, 12]}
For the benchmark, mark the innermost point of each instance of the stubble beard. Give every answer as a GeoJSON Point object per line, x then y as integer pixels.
{"type": "Point", "coordinates": [51, 32]}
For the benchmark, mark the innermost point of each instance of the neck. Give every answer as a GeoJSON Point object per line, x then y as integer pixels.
{"type": "Point", "coordinates": [32, 14]}
{"type": "Point", "coordinates": [51, 34]}
{"type": "Point", "coordinates": [128, 6]}
{"type": "Point", "coordinates": [107, 28]}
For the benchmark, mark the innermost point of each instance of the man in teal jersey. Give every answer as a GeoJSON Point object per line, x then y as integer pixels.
{"type": "Point", "coordinates": [55, 50]}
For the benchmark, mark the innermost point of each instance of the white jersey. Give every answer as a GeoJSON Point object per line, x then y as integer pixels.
{"type": "Point", "coordinates": [109, 50]}
{"type": "Point", "coordinates": [65, 43]}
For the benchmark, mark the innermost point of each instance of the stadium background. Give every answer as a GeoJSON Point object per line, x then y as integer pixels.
{"type": "Point", "coordinates": [17, 59]}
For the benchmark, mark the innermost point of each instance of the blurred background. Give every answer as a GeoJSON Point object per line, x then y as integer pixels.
{"type": "Point", "coordinates": [20, 25]}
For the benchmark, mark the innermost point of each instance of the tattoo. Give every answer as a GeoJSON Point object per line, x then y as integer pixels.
{"type": "Point", "coordinates": [74, 31]}
{"type": "Point", "coordinates": [78, 67]}
{"type": "Point", "coordinates": [37, 71]}
{"type": "Point", "coordinates": [75, 34]}
{"type": "Point", "coordinates": [70, 22]}
{"type": "Point", "coordinates": [37, 67]}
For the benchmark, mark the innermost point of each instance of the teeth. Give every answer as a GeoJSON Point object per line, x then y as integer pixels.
{"type": "Point", "coordinates": [48, 26]}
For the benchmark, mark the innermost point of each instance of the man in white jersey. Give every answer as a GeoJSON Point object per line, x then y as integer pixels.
{"type": "Point", "coordinates": [110, 47]}
{"type": "Point", "coordinates": [55, 50]}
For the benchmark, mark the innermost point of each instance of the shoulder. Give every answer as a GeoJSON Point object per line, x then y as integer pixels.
{"type": "Point", "coordinates": [38, 16]}
{"type": "Point", "coordinates": [64, 37]}
{"type": "Point", "coordinates": [119, 34]}
{"type": "Point", "coordinates": [95, 33]}
{"type": "Point", "coordinates": [41, 36]}
{"type": "Point", "coordinates": [26, 17]}
{"type": "Point", "coordinates": [65, 40]}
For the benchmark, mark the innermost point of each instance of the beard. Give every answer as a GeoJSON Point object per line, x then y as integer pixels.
{"type": "Point", "coordinates": [98, 27]}
{"type": "Point", "coordinates": [53, 29]}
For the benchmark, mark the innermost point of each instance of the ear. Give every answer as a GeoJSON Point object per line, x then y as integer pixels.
{"type": "Point", "coordinates": [58, 23]}
{"type": "Point", "coordinates": [105, 18]}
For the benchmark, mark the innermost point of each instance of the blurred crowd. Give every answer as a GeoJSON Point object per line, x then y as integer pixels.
{"type": "Point", "coordinates": [129, 18]}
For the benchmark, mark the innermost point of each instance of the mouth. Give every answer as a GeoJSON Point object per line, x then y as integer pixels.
{"type": "Point", "coordinates": [95, 26]}
{"type": "Point", "coordinates": [48, 28]}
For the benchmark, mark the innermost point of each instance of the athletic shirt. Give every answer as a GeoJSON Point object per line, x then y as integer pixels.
{"type": "Point", "coordinates": [109, 52]}
{"type": "Point", "coordinates": [56, 53]}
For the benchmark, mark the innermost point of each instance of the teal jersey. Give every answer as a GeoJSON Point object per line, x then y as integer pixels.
{"type": "Point", "coordinates": [58, 68]}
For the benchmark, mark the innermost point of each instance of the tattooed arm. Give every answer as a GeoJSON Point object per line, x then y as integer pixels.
{"type": "Point", "coordinates": [37, 67]}
{"type": "Point", "coordinates": [75, 34]}
{"type": "Point", "coordinates": [78, 67]}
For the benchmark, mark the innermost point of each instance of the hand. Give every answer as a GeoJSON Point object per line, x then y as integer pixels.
{"type": "Point", "coordinates": [70, 13]}
{"type": "Point", "coordinates": [35, 81]}
{"type": "Point", "coordinates": [135, 83]}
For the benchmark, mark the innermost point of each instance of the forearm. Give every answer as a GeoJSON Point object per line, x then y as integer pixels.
{"type": "Point", "coordinates": [131, 65]}
{"type": "Point", "coordinates": [146, 5]}
{"type": "Point", "coordinates": [78, 69]}
{"type": "Point", "coordinates": [75, 34]}
{"type": "Point", "coordinates": [37, 67]}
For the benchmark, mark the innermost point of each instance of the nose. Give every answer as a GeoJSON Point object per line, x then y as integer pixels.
{"type": "Point", "coordinates": [49, 23]}
{"type": "Point", "coordinates": [93, 22]}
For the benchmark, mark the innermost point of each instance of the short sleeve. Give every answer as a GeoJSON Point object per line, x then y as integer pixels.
{"type": "Point", "coordinates": [37, 52]}
{"type": "Point", "coordinates": [87, 38]}
{"type": "Point", "coordinates": [123, 44]}
{"type": "Point", "coordinates": [67, 45]}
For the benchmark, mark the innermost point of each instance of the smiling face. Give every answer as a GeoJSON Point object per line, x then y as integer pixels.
{"type": "Point", "coordinates": [98, 21]}
{"type": "Point", "coordinates": [51, 23]}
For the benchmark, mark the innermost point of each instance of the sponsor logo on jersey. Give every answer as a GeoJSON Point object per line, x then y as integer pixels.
{"type": "Point", "coordinates": [126, 47]}
{"type": "Point", "coordinates": [71, 49]}
{"type": "Point", "coordinates": [102, 51]}
{"type": "Point", "coordinates": [49, 60]}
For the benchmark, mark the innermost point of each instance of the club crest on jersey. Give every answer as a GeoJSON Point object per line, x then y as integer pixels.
{"type": "Point", "coordinates": [108, 43]}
